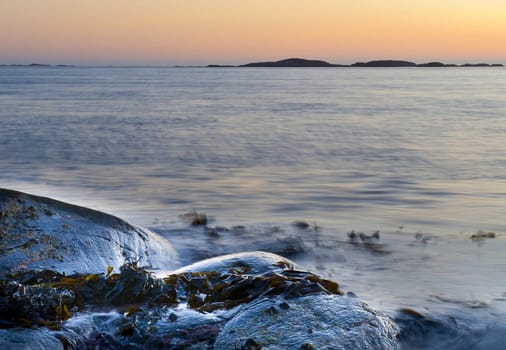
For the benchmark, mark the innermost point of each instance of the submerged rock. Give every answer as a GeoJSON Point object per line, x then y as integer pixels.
{"type": "Point", "coordinates": [194, 218]}
{"type": "Point", "coordinates": [42, 233]}
{"type": "Point", "coordinates": [370, 242]}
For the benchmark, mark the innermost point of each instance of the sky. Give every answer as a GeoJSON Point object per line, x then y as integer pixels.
{"type": "Point", "coordinates": [163, 32]}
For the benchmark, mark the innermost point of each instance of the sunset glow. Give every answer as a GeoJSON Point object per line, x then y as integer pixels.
{"type": "Point", "coordinates": [226, 31]}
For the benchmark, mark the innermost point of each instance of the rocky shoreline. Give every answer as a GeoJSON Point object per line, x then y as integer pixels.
{"type": "Point", "coordinates": [76, 278]}
{"type": "Point", "coordinates": [202, 310]}
{"type": "Point", "coordinates": [53, 295]}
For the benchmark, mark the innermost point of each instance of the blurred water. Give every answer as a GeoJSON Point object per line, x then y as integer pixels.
{"type": "Point", "coordinates": [396, 150]}
{"type": "Point", "coordinates": [349, 148]}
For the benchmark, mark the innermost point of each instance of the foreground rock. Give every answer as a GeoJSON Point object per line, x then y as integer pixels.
{"type": "Point", "coordinates": [238, 301]}
{"type": "Point", "coordinates": [74, 278]}
{"type": "Point", "coordinates": [309, 322]}
{"type": "Point", "coordinates": [42, 233]}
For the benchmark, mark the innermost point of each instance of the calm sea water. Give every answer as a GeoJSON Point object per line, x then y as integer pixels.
{"type": "Point", "coordinates": [419, 154]}
{"type": "Point", "coordinates": [360, 149]}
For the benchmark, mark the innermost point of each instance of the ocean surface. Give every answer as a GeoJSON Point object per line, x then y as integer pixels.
{"type": "Point", "coordinates": [418, 154]}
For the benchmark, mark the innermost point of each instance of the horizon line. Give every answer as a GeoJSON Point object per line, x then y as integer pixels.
{"type": "Point", "coordinates": [37, 63]}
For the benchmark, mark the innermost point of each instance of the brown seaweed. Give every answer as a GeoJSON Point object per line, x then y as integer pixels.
{"type": "Point", "coordinates": [47, 298]}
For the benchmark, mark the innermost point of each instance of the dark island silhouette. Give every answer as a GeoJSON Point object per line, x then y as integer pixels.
{"type": "Point", "coordinates": [293, 62]}
{"type": "Point", "coordinates": [301, 62]}
{"type": "Point", "coordinates": [384, 63]}
{"type": "Point", "coordinates": [36, 65]}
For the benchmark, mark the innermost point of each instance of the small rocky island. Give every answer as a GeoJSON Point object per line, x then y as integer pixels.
{"type": "Point", "coordinates": [301, 62]}
{"type": "Point", "coordinates": [37, 65]}
{"type": "Point", "coordinates": [293, 62]}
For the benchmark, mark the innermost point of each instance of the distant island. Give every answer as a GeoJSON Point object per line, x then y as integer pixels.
{"type": "Point", "coordinates": [36, 65]}
{"type": "Point", "coordinates": [292, 62]}
{"type": "Point", "coordinates": [301, 62]}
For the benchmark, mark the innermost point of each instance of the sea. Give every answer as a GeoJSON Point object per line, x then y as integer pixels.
{"type": "Point", "coordinates": [391, 181]}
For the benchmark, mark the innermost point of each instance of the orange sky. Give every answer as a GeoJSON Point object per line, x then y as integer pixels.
{"type": "Point", "coordinates": [239, 31]}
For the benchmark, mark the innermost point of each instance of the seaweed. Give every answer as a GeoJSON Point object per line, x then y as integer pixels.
{"type": "Point", "coordinates": [237, 287]}
{"type": "Point", "coordinates": [35, 298]}
{"type": "Point", "coordinates": [194, 218]}
{"type": "Point", "coordinates": [47, 298]}
{"type": "Point", "coordinates": [481, 235]}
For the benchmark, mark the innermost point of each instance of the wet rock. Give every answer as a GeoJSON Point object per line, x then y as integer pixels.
{"type": "Point", "coordinates": [39, 298]}
{"type": "Point", "coordinates": [350, 294]}
{"type": "Point", "coordinates": [29, 339]}
{"type": "Point", "coordinates": [362, 237]}
{"type": "Point", "coordinates": [212, 233]}
{"type": "Point", "coordinates": [272, 310]}
{"type": "Point", "coordinates": [42, 233]}
{"type": "Point", "coordinates": [248, 300]}
{"type": "Point", "coordinates": [242, 284]}
{"type": "Point", "coordinates": [301, 225]}
{"type": "Point", "coordinates": [418, 331]}
{"type": "Point", "coordinates": [35, 305]}
{"type": "Point", "coordinates": [46, 298]}
{"type": "Point", "coordinates": [251, 344]}
{"type": "Point", "coordinates": [238, 289]}
{"type": "Point", "coordinates": [307, 346]}
{"type": "Point", "coordinates": [284, 305]}
{"type": "Point", "coordinates": [337, 322]}
{"type": "Point", "coordinates": [135, 285]}
{"type": "Point", "coordinates": [288, 246]}
{"type": "Point", "coordinates": [256, 263]}
{"type": "Point", "coordinates": [370, 242]}
{"type": "Point", "coordinates": [127, 328]}
{"type": "Point", "coordinates": [238, 229]}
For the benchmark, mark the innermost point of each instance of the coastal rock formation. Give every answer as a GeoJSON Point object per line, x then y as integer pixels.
{"type": "Point", "coordinates": [42, 233]}
{"type": "Point", "coordinates": [245, 300]}
{"type": "Point", "coordinates": [229, 306]}
{"type": "Point", "coordinates": [309, 322]}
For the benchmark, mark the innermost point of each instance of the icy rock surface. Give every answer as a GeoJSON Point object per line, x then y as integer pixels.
{"type": "Point", "coordinates": [42, 233]}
